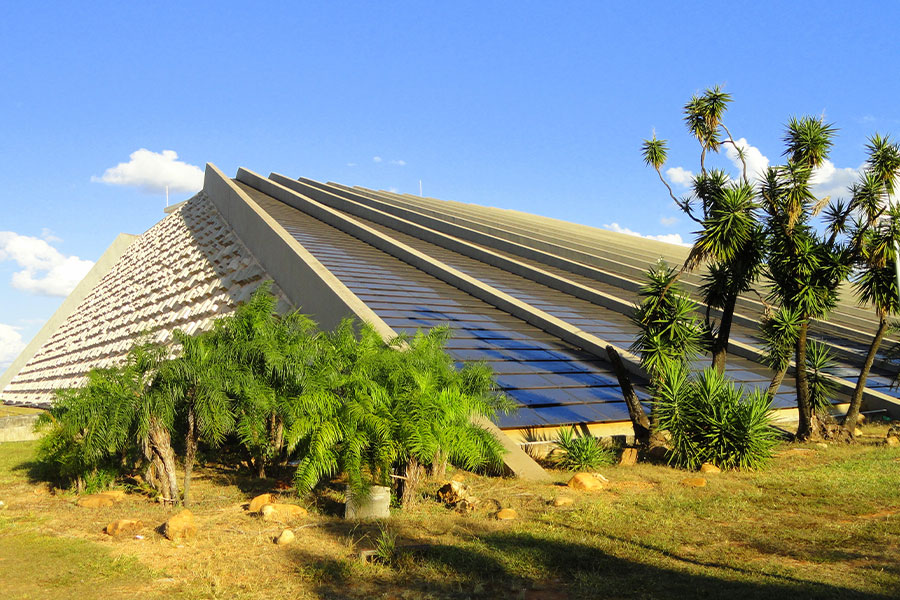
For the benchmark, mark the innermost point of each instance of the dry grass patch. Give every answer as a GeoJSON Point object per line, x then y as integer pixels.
{"type": "Point", "coordinates": [825, 524]}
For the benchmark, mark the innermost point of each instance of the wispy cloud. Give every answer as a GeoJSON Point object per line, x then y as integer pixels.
{"type": "Point", "coordinates": [351, 164]}
{"type": "Point", "coordinates": [668, 221]}
{"type": "Point", "coordinates": [670, 238]}
{"type": "Point", "coordinates": [11, 344]}
{"type": "Point", "coordinates": [680, 176]}
{"type": "Point", "coordinates": [45, 270]}
{"type": "Point", "coordinates": [399, 163]}
{"type": "Point", "coordinates": [153, 171]}
{"type": "Point", "coordinates": [377, 159]}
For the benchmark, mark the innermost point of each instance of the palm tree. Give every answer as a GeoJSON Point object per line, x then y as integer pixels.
{"type": "Point", "coordinates": [200, 382]}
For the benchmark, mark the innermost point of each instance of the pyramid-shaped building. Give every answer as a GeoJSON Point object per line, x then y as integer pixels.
{"type": "Point", "coordinates": [537, 298]}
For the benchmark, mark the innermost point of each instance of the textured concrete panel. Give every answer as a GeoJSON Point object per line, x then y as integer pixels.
{"type": "Point", "coordinates": [181, 274]}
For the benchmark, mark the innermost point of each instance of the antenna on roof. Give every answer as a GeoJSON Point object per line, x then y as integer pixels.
{"type": "Point", "coordinates": [420, 187]}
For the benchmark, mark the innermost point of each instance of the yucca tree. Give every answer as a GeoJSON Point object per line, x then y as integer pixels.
{"type": "Point", "coordinates": [804, 266]}
{"type": "Point", "coordinates": [875, 234]}
{"type": "Point", "coordinates": [779, 330]}
{"type": "Point", "coordinates": [730, 235]}
{"type": "Point", "coordinates": [669, 329]}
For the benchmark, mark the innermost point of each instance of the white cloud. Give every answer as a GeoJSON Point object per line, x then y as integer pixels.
{"type": "Point", "coordinates": [351, 164]}
{"type": "Point", "coordinates": [377, 159]}
{"type": "Point", "coordinates": [832, 181]}
{"type": "Point", "coordinates": [668, 221]}
{"type": "Point", "coordinates": [48, 236]}
{"type": "Point", "coordinates": [670, 238]}
{"type": "Point", "coordinates": [45, 270]}
{"type": "Point", "coordinates": [399, 163]}
{"type": "Point", "coordinates": [153, 171]}
{"type": "Point", "coordinates": [680, 176]}
{"type": "Point", "coordinates": [11, 344]}
{"type": "Point", "coordinates": [757, 163]}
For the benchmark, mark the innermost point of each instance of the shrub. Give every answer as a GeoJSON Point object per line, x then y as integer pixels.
{"type": "Point", "coordinates": [580, 453]}
{"type": "Point", "coordinates": [711, 420]}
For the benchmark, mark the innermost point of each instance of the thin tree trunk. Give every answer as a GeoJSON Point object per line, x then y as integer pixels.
{"type": "Point", "coordinates": [852, 416]}
{"type": "Point", "coordinates": [639, 421]}
{"type": "Point", "coordinates": [439, 465]}
{"type": "Point", "coordinates": [776, 382]}
{"type": "Point", "coordinates": [414, 475]}
{"type": "Point", "coordinates": [190, 453]}
{"type": "Point", "coordinates": [260, 467]}
{"type": "Point", "coordinates": [720, 344]}
{"type": "Point", "coordinates": [161, 443]}
{"type": "Point", "coordinates": [806, 424]}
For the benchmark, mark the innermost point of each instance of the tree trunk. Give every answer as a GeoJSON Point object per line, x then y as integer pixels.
{"type": "Point", "coordinates": [806, 421]}
{"type": "Point", "coordinates": [414, 475]}
{"type": "Point", "coordinates": [776, 382]}
{"type": "Point", "coordinates": [852, 416]}
{"type": "Point", "coordinates": [720, 344]}
{"type": "Point", "coordinates": [639, 421]}
{"type": "Point", "coordinates": [260, 462]}
{"type": "Point", "coordinates": [439, 465]}
{"type": "Point", "coordinates": [161, 443]}
{"type": "Point", "coordinates": [190, 453]}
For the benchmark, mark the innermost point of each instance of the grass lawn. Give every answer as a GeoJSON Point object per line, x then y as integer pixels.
{"type": "Point", "coordinates": [824, 523]}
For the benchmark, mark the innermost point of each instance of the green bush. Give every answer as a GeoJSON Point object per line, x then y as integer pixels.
{"type": "Point", "coordinates": [712, 421]}
{"type": "Point", "coordinates": [580, 453]}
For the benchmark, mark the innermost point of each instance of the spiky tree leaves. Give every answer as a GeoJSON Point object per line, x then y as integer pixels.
{"type": "Point", "coordinates": [669, 328]}
{"type": "Point", "coordinates": [726, 211]}
{"type": "Point", "coordinates": [875, 235]}
{"type": "Point", "coordinates": [711, 420]}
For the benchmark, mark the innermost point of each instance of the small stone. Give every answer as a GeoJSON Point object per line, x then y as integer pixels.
{"type": "Point", "coordinates": [2, 505]}
{"type": "Point", "coordinates": [822, 445]}
{"type": "Point", "coordinates": [694, 482]}
{"type": "Point", "coordinates": [562, 501]}
{"type": "Point", "coordinates": [585, 481]}
{"type": "Point", "coordinates": [123, 527]}
{"type": "Point", "coordinates": [709, 468]}
{"type": "Point", "coordinates": [180, 526]}
{"type": "Point", "coordinates": [892, 441]}
{"type": "Point", "coordinates": [287, 536]}
{"type": "Point", "coordinates": [276, 512]}
{"type": "Point", "coordinates": [629, 457]}
{"type": "Point", "coordinates": [260, 501]}
{"type": "Point", "coordinates": [506, 514]}
{"type": "Point", "coordinates": [857, 432]}
{"type": "Point", "coordinates": [95, 501]}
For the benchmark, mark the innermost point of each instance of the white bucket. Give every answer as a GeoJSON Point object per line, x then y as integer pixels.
{"type": "Point", "coordinates": [376, 506]}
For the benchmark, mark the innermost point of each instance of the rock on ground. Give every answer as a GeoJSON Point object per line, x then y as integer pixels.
{"type": "Point", "coordinates": [276, 512]}
{"type": "Point", "coordinates": [102, 499]}
{"type": "Point", "coordinates": [180, 526]}
{"type": "Point", "coordinates": [123, 527]}
{"type": "Point", "coordinates": [506, 514]}
{"type": "Point", "coordinates": [694, 482]}
{"type": "Point", "coordinates": [709, 468]}
{"type": "Point", "coordinates": [260, 501]}
{"type": "Point", "coordinates": [585, 482]}
{"type": "Point", "coordinates": [562, 501]}
{"type": "Point", "coordinates": [287, 536]}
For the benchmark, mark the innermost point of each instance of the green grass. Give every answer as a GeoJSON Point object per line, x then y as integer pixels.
{"type": "Point", "coordinates": [821, 525]}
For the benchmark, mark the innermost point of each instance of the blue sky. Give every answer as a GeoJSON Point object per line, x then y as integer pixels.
{"type": "Point", "coordinates": [539, 106]}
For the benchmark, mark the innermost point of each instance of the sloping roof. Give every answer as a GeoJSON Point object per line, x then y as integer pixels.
{"type": "Point", "coordinates": [539, 299]}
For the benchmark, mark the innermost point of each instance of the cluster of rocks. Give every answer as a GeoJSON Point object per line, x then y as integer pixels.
{"type": "Point", "coordinates": [267, 508]}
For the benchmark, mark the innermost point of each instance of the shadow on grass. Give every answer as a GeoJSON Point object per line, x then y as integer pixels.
{"type": "Point", "coordinates": [524, 565]}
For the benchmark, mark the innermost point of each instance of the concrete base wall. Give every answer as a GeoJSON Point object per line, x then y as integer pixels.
{"type": "Point", "coordinates": [18, 429]}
